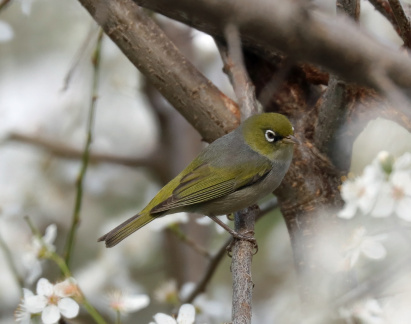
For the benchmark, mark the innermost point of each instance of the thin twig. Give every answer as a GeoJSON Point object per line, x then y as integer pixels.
{"type": "Point", "coordinates": [218, 256]}
{"type": "Point", "coordinates": [208, 274]}
{"type": "Point", "coordinates": [383, 7]}
{"type": "Point", "coordinates": [9, 260]}
{"type": "Point", "coordinates": [176, 230]}
{"type": "Point", "coordinates": [232, 56]}
{"type": "Point", "coordinates": [89, 39]}
{"type": "Point", "coordinates": [62, 150]}
{"type": "Point", "coordinates": [402, 21]}
{"type": "Point", "coordinates": [86, 153]}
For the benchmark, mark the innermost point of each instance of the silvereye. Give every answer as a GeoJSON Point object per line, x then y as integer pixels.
{"type": "Point", "coordinates": [230, 174]}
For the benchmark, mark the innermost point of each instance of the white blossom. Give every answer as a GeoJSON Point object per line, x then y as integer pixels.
{"type": "Point", "coordinates": [127, 303]}
{"type": "Point", "coordinates": [394, 196]}
{"type": "Point", "coordinates": [22, 313]}
{"type": "Point", "coordinates": [362, 244]}
{"type": "Point", "coordinates": [37, 250]}
{"type": "Point", "coordinates": [384, 189]}
{"type": "Point", "coordinates": [186, 315]}
{"type": "Point", "coordinates": [367, 312]}
{"type": "Point", "coordinates": [360, 193]}
{"type": "Point", "coordinates": [52, 301]}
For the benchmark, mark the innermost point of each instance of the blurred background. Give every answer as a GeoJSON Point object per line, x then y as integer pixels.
{"type": "Point", "coordinates": [139, 143]}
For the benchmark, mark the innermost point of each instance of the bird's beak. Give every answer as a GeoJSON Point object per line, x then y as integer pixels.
{"type": "Point", "coordinates": [290, 139]}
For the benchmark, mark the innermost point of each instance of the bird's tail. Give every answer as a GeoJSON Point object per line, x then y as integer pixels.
{"type": "Point", "coordinates": [125, 229]}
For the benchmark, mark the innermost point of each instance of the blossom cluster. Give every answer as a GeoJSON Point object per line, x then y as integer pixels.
{"type": "Point", "coordinates": [51, 302]}
{"type": "Point", "coordinates": [383, 189]}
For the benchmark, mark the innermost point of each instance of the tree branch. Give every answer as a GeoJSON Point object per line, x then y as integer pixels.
{"type": "Point", "coordinates": [333, 109]}
{"type": "Point", "coordinates": [232, 57]}
{"type": "Point", "coordinates": [244, 220]}
{"type": "Point", "coordinates": [149, 49]}
{"type": "Point", "coordinates": [267, 27]}
{"type": "Point", "coordinates": [383, 7]}
{"type": "Point", "coordinates": [402, 21]}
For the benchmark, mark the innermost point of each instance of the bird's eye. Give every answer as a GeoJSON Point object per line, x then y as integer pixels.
{"type": "Point", "coordinates": [270, 136]}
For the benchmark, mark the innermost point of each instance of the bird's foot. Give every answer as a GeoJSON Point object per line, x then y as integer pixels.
{"type": "Point", "coordinates": [243, 237]}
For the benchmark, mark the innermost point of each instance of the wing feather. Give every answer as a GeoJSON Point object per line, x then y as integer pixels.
{"type": "Point", "coordinates": [205, 183]}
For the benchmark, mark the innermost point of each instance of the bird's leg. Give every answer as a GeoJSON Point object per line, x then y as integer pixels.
{"type": "Point", "coordinates": [239, 236]}
{"type": "Point", "coordinates": [230, 217]}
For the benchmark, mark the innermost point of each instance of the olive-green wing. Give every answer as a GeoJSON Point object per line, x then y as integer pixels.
{"type": "Point", "coordinates": [205, 183]}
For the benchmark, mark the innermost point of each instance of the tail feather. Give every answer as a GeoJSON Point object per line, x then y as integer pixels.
{"type": "Point", "coordinates": [125, 229]}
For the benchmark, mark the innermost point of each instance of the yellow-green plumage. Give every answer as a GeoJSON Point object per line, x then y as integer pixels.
{"type": "Point", "coordinates": [230, 174]}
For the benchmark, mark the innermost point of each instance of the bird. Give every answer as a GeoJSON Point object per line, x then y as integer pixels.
{"type": "Point", "coordinates": [230, 174]}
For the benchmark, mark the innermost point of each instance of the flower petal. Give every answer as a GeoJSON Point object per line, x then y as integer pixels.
{"type": "Point", "coordinates": [161, 318]}
{"type": "Point", "coordinates": [44, 287]}
{"type": "Point", "coordinates": [186, 314]}
{"type": "Point", "coordinates": [66, 288]}
{"type": "Point", "coordinates": [135, 303]}
{"type": "Point", "coordinates": [68, 307]}
{"type": "Point", "coordinates": [384, 205]}
{"type": "Point", "coordinates": [348, 211]}
{"type": "Point", "coordinates": [50, 234]}
{"type": "Point", "coordinates": [27, 293]}
{"type": "Point", "coordinates": [403, 162]}
{"type": "Point", "coordinates": [403, 209]}
{"type": "Point", "coordinates": [35, 303]}
{"type": "Point", "coordinates": [50, 314]}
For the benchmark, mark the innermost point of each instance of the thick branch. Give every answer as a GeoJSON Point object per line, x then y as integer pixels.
{"type": "Point", "coordinates": [149, 49]}
{"type": "Point", "coordinates": [270, 26]}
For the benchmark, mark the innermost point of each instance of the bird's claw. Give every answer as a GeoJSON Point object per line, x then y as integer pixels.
{"type": "Point", "coordinates": [243, 237]}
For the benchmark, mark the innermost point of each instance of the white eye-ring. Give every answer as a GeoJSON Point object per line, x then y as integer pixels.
{"type": "Point", "coordinates": [269, 135]}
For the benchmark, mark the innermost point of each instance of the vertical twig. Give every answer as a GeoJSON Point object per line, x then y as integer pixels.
{"type": "Point", "coordinates": [243, 252]}
{"type": "Point", "coordinates": [402, 21]}
{"type": "Point", "coordinates": [232, 56]}
{"type": "Point", "coordinates": [86, 153]}
{"type": "Point", "coordinates": [244, 220]}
